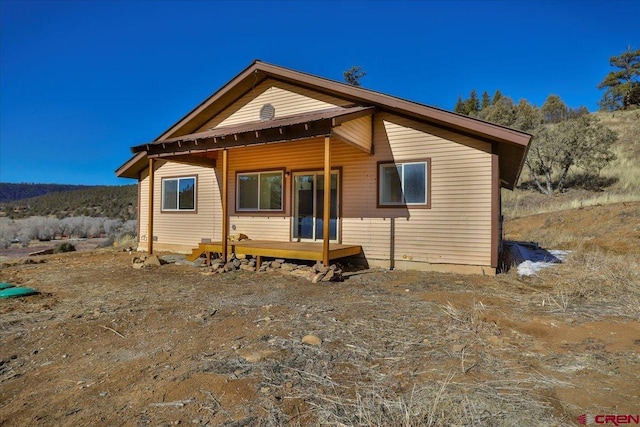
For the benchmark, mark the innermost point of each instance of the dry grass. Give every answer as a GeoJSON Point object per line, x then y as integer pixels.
{"type": "Point", "coordinates": [466, 318]}
{"type": "Point", "coordinates": [602, 274]}
{"type": "Point", "coordinates": [387, 370]}
{"type": "Point", "coordinates": [398, 348]}
{"type": "Point", "coordinates": [625, 170]}
{"type": "Point", "coordinates": [126, 241]}
{"type": "Point", "coordinates": [450, 400]}
{"type": "Point", "coordinates": [596, 280]}
{"type": "Point", "coordinates": [521, 203]}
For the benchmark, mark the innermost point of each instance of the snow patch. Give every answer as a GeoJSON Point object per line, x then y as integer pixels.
{"type": "Point", "coordinates": [531, 258]}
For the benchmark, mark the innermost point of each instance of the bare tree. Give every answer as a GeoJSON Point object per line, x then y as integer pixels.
{"type": "Point", "coordinates": [581, 142]}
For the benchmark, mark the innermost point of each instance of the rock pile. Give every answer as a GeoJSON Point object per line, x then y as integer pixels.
{"type": "Point", "coordinates": [316, 273]}
{"type": "Point", "coordinates": [235, 262]}
{"type": "Point", "coordinates": [145, 261]}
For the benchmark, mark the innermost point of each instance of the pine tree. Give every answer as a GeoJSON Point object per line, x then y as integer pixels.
{"type": "Point", "coordinates": [486, 100]}
{"type": "Point", "coordinates": [353, 75]}
{"type": "Point", "coordinates": [496, 97]}
{"type": "Point", "coordinates": [621, 84]}
{"type": "Point", "coordinates": [461, 107]}
{"type": "Point", "coordinates": [554, 110]}
{"type": "Point", "coordinates": [473, 103]}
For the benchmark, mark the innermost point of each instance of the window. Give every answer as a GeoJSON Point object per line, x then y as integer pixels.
{"type": "Point", "coordinates": [179, 194]}
{"type": "Point", "coordinates": [404, 184]}
{"type": "Point", "coordinates": [260, 191]}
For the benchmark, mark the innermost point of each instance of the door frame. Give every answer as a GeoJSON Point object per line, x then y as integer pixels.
{"type": "Point", "coordinates": [294, 207]}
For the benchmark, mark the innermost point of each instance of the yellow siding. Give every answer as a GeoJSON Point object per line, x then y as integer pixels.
{"type": "Point", "coordinates": [356, 132]}
{"type": "Point", "coordinates": [143, 210]}
{"type": "Point", "coordinates": [285, 98]}
{"type": "Point", "coordinates": [455, 230]}
{"type": "Point", "coordinates": [262, 228]}
{"type": "Point", "coordinates": [373, 233]}
{"type": "Point", "coordinates": [297, 156]}
{"type": "Point", "coordinates": [294, 157]}
{"type": "Point", "coordinates": [186, 228]}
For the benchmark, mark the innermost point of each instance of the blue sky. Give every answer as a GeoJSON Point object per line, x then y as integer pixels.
{"type": "Point", "coordinates": [82, 81]}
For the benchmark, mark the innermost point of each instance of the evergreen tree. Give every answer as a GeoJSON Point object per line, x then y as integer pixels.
{"type": "Point", "coordinates": [473, 103]}
{"type": "Point", "coordinates": [353, 75]}
{"type": "Point", "coordinates": [577, 112]}
{"type": "Point", "coordinates": [461, 106]}
{"type": "Point", "coordinates": [633, 96]}
{"type": "Point", "coordinates": [564, 139]}
{"type": "Point", "coordinates": [496, 97]}
{"type": "Point", "coordinates": [554, 110]}
{"type": "Point", "coordinates": [622, 84]}
{"type": "Point", "coordinates": [486, 100]}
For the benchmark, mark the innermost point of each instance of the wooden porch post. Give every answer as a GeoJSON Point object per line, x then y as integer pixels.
{"type": "Point", "coordinates": [225, 203]}
{"type": "Point", "coordinates": [150, 216]}
{"type": "Point", "coordinates": [326, 217]}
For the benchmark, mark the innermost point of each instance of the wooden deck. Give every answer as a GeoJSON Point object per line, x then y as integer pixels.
{"type": "Point", "coordinates": [288, 250]}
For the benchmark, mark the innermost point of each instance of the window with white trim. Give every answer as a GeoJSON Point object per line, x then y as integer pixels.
{"type": "Point", "coordinates": [260, 191]}
{"type": "Point", "coordinates": [179, 194]}
{"type": "Point", "coordinates": [403, 184]}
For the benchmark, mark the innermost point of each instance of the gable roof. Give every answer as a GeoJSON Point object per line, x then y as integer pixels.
{"type": "Point", "coordinates": [510, 145]}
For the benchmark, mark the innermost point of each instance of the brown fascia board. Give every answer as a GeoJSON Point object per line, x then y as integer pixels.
{"type": "Point", "coordinates": [513, 184]}
{"type": "Point", "coordinates": [132, 167]}
{"type": "Point", "coordinates": [259, 71]}
{"type": "Point", "coordinates": [398, 105]}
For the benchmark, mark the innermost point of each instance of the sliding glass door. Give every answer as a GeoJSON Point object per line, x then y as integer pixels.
{"type": "Point", "coordinates": [308, 206]}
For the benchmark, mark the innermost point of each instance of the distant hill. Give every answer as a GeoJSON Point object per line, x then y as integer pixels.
{"type": "Point", "coordinates": [114, 201]}
{"type": "Point", "coordinates": [10, 192]}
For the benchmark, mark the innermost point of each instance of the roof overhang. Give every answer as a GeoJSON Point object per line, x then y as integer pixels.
{"type": "Point", "coordinates": [285, 129]}
{"type": "Point", "coordinates": [132, 167]}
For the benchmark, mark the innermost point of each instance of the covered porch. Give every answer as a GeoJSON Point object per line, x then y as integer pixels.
{"type": "Point", "coordinates": [350, 125]}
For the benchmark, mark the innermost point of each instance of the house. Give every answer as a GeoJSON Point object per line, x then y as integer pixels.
{"type": "Point", "coordinates": [411, 186]}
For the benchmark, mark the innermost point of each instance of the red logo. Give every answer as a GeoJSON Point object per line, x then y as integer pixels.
{"type": "Point", "coordinates": [616, 420]}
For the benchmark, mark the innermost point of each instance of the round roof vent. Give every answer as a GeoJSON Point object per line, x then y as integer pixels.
{"type": "Point", "coordinates": [267, 112]}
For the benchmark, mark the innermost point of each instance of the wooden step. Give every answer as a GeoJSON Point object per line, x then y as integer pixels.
{"type": "Point", "coordinates": [195, 253]}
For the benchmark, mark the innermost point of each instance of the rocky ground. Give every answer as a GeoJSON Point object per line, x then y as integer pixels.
{"type": "Point", "coordinates": [105, 343]}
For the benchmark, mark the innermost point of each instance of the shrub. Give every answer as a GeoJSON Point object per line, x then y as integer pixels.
{"type": "Point", "coordinates": [48, 228]}
{"type": "Point", "coordinates": [64, 247]}
{"type": "Point", "coordinates": [126, 240]}
{"type": "Point", "coordinates": [8, 232]}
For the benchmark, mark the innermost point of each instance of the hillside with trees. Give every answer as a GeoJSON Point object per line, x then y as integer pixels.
{"type": "Point", "coordinates": [10, 192]}
{"type": "Point", "coordinates": [566, 140]}
{"type": "Point", "coordinates": [115, 202]}
{"type": "Point", "coordinates": [578, 157]}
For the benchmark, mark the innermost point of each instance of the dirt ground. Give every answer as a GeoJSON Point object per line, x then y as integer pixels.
{"type": "Point", "coordinates": [104, 344]}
